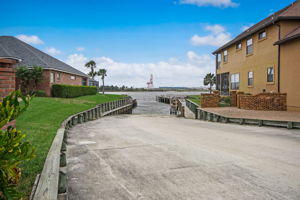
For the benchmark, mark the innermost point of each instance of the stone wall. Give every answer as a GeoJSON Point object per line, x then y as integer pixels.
{"type": "Point", "coordinates": [262, 101]}
{"type": "Point", "coordinates": [210, 100]}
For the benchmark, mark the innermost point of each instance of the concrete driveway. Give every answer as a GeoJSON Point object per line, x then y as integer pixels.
{"type": "Point", "coordinates": [163, 157]}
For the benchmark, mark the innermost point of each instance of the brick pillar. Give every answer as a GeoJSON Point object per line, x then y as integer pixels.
{"type": "Point", "coordinates": [7, 76]}
{"type": "Point", "coordinates": [233, 98]}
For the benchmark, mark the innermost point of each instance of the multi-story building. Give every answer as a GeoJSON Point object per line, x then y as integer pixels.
{"type": "Point", "coordinates": [264, 58]}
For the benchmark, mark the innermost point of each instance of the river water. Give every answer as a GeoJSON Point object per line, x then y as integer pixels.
{"type": "Point", "coordinates": [147, 103]}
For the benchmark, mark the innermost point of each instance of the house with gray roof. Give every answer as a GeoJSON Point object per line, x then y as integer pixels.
{"type": "Point", "coordinates": [55, 71]}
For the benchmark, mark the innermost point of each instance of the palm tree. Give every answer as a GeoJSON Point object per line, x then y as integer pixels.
{"type": "Point", "coordinates": [209, 79]}
{"type": "Point", "coordinates": [92, 65]}
{"type": "Point", "coordinates": [102, 74]}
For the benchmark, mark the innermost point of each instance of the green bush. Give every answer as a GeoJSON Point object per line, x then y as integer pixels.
{"type": "Point", "coordinates": [226, 99]}
{"type": "Point", "coordinates": [70, 91]}
{"type": "Point", "coordinates": [13, 150]}
{"type": "Point", "coordinates": [40, 93]}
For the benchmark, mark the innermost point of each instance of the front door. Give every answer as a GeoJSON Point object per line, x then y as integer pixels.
{"type": "Point", "coordinates": [225, 83]}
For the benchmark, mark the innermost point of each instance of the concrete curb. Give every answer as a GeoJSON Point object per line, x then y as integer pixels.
{"type": "Point", "coordinates": [215, 117]}
{"type": "Point", "coordinates": [52, 183]}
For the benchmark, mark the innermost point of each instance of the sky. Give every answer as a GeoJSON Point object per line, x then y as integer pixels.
{"type": "Point", "coordinates": [132, 39]}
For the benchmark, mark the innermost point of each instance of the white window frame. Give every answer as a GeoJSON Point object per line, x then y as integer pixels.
{"type": "Point", "coordinates": [248, 45]}
{"type": "Point", "coordinates": [225, 56]}
{"type": "Point", "coordinates": [219, 60]}
{"type": "Point", "coordinates": [72, 77]}
{"type": "Point", "coordinates": [238, 46]}
{"type": "Point", "coordinates": [58, 76]}
{"type": "Point", "coordinates": [52, 80]}
{"type": "Point", "coordinates": [250, 72]}
{"type": "Point", "coordinates": [264, 35]}
{"type": "Point", "coordinates": [270, 74]}
{"type": "Point", "coordinates": [235, 81]}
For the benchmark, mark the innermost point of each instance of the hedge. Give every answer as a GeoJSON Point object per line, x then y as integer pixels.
{"type": "Point", "coordinates": [70, 91]}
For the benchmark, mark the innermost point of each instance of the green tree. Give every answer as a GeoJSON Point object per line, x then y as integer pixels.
{"type": "Point", "coordinates": [91, 65]}
{"type": "Point", "coordinates": [28, 75]}
{"type": "Point", "coordinates": [102, 74]}
{"type": "Point", "coordinates": [209, 79]}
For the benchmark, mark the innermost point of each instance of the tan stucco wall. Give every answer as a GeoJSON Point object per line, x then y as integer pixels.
{"type": "Point", "coordinates": [288, 26]}
{"type": "Point", "coordinates": [290, 73]}
{"type": "Point", "coordinates": [265, 55]}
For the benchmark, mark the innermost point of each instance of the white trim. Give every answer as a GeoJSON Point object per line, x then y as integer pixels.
{"type": "Point", "coordinates": [14, 58]}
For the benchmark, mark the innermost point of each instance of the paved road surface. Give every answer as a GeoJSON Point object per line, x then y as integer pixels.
{"type": "Point", "coordinates": [162, 157]}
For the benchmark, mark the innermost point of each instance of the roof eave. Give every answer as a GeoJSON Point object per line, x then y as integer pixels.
{"type": "Point", "coordinates": [254, 31]}
{"type": "Point", "coordinates": [13, 58]}
{"type": "Point", "coordinates": [83, 75]}
{"type": "Point", "coordinates": [287, 39]}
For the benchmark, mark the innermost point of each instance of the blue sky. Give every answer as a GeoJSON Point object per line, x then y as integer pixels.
{"type": "Point", "coordinates": [173, 39]}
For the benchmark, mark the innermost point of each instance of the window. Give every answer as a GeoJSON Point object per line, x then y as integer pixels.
{"type": "Point", "coordinates": [57, 76]}
{"type": "Point", "coordinates": [238, 46]}
{"type": "Point", "coordinates": [270, 74]}
{"type": "Point", "coordinates": [51, 77]}
{"type": "Point", "coordinates": [250, 78]}
{"type": "Point", "coordinates": [72, 77]}
{"type": "Point", "coordinates": [235, 81]}
{"type": "Point", "coordinates": [84, 81]}
{"type": "Point", "coordinates": [249, 49]}
{"type": "Point", "coordinates": [262, 35]}
{"type": "Point", "coordinates": [225, 56]}
{"type": "Point", "coordinates": [218, 60]}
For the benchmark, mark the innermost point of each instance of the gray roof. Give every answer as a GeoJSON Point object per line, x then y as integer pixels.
{"type": "Point", "coordinates": [291, 12]}
{"type": "Point", "coordinates": [11, 47]}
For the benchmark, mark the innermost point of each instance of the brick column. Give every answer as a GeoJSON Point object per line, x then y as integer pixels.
{"type": "Point", "coordinates": [7, 76]}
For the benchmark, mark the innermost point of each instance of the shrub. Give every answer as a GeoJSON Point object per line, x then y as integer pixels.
{"type": "Point", "coordinates": [69, 91]}
{"type": "Point", "coordinates": [40, 93]}
{"type": "Point", "coordinates": [226, 99]}
{"type": "Point", "coordinates": [13, 150]}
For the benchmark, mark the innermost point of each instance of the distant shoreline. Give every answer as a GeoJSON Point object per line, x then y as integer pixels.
{"type": "Point", "coordinates": [158, 90]}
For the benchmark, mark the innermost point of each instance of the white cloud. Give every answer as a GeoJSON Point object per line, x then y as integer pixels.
{"type": "Point", "coordinates": [244, 28]}
{"type": "Point", "coordinates": [215, 29]}
{"type": "Point", "coordinates": [216, 3]}
{"type": "Point", "coordinates": [53, 51]}
{"type": "Point", "coordinates": [30, 39]}
{"type": "Point", "coordinates": [173, 72]}
{"type": "Point", "coordinates": [218, 37]}
{"type": "Point", "coordinates": [80, 49]}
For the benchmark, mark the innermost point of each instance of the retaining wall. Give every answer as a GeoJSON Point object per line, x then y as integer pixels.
{"type": "Point", "coordinates": [51, 184]}
{"type": "Point", "coordinates": [262, 101]}
{"type": "Point", "coordinates": [210, 100]}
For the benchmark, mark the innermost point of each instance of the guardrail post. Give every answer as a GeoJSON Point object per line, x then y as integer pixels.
{"type": "Point", "coordinates": [79, 118]}
{"type": "Point", "coordinates": [290, 125]}
{"type": "Point", "coordinates": [241, 121]}
{"type": "Point", "coordinates": [96, 113]}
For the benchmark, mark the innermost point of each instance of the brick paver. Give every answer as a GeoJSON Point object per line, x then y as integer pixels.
{"type": "Point", "coordinates": [256, 114]}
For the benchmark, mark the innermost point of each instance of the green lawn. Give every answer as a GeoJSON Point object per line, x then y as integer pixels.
{"type": "Point", "coordinates": [195, 98]}
{"type": "Point", "coordinates": [225, 101]}
{"type": "Point", "coordinates": [40, 122]}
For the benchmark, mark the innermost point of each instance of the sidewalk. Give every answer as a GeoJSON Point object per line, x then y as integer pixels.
{"type": "Point", "coordinates": [255, 114]}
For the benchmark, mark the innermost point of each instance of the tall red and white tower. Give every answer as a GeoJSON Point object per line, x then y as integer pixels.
{"type": "Point", "coordinates": [150, 83]}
